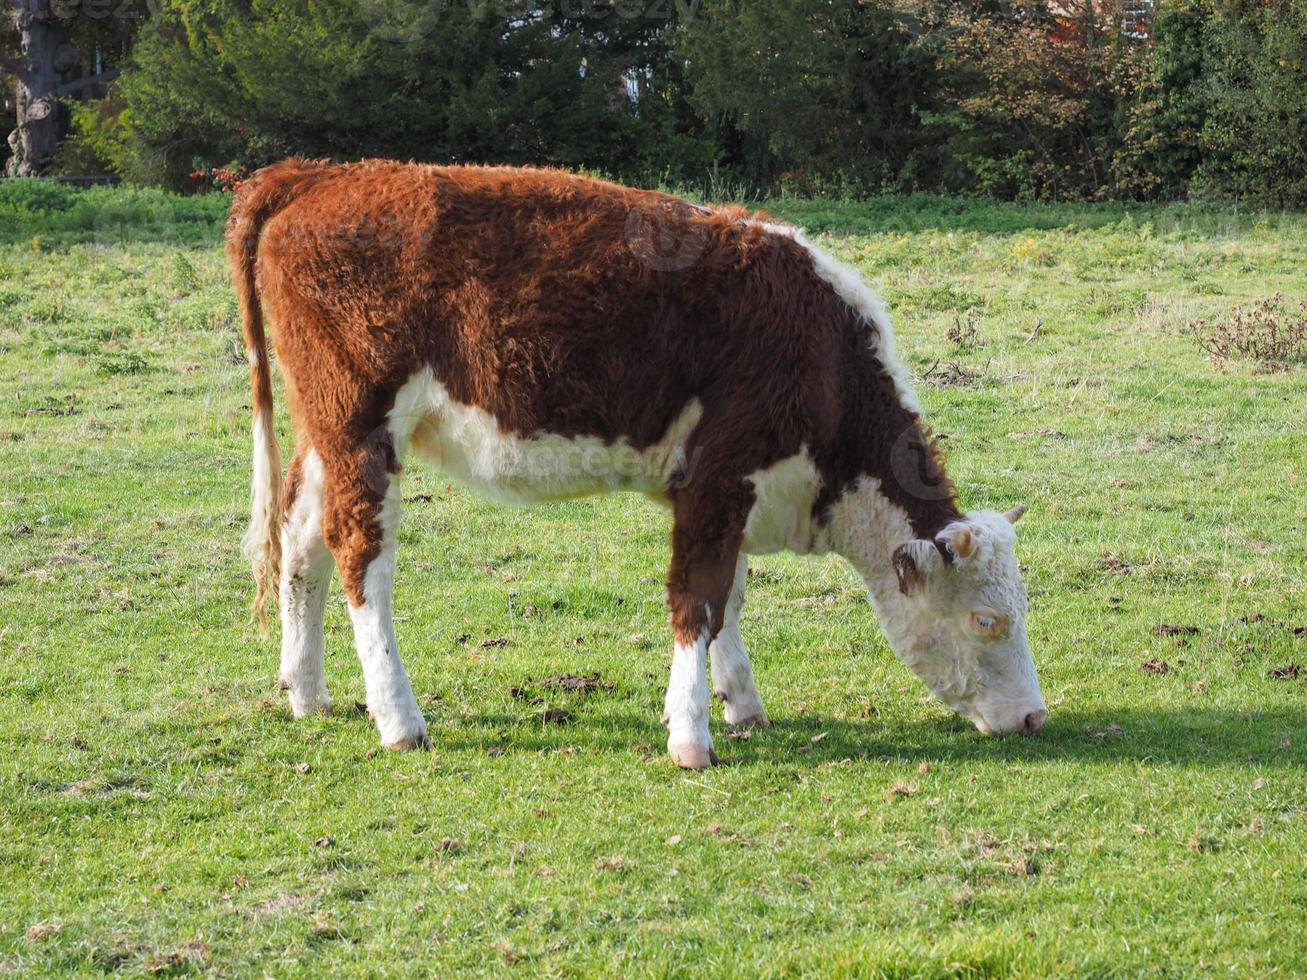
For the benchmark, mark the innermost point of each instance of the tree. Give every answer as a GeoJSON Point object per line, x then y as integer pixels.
{"type": "Point", "coordinates": [819, 87]}
{"type": "Point", "coordinates": [1160, 139]}
{"type": "Point", "coordinates": [44, 59]}
{"type": "Point", "coordinates": [248, 81]}
{"type": "Point", "coordinates": [41, 36]}
{"type": "Point", "coordinates": [629, 47]}
{"type": "Point", "coordinates": [10, 56]}
{"type": "Point", "coordinates": [1253, 96]}
{"type": "Point", "coordinates": [1039, 94]}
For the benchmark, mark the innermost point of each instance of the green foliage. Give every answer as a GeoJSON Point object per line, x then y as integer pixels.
{"type": "Point", "coordinates": [1032, 101]}
{"type": "Point", "coordinates": [1035, 94]}
{"type": "Point", "coordinates": [184, 277]}
{"type": "Point", "coordinates": [245, 84]}
{"type": "Point", "coordinates": [44, 211]}
{"type": "Point", "coordinates": [102, 139]}
{"type": "Point", "coordinates": [123, 362]}
{"type": "Point", "coordinates": [1160, 148]}
{"type": "Point", "coordinates": [1254, 94]}
{"type": "Point", "coordinates": [22, 200]}
{"type": "Point", "coordinates": [807, 89]}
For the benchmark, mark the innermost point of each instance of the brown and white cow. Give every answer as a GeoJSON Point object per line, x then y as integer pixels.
{"type": "Point", "coordinates": [541, 335]}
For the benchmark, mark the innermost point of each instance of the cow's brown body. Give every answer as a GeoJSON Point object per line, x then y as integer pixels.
{"type": "Point", "coordinates": [564, 304]}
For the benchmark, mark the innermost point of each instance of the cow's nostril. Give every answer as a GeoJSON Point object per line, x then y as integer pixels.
{"type": "Point", "coordinates": [1034, 721]}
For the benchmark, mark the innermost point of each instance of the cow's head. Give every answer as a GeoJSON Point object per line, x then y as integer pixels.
{"type": "Point", "coordinates": [964, 632]}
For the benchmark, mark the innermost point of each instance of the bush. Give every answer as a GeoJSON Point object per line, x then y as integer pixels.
{"type": "Point", "coordinates": [226, 84]}
{"type": "Point", "coordinates": [834, 91]}
{"type": "Point", "coordinates": [101, 141]}
{"type": "Point", "coordinates": [1160, 142]}
{"type": "Point", "coordinates": [1267, 332]}
{"type": "Point", "coordinates": [1253, 92]}
{"type": "Point", "coordinates": [1034, 101]}
{"type": "Point", "coordinates": [52, 211]}
{"type": "Point", "coordinates": [1037, 95]}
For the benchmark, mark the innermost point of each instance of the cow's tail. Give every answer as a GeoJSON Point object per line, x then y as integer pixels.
{"type": "Point", "coordinates": [258, 199]}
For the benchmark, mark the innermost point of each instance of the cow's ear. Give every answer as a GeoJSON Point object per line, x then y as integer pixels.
{"type": "Point", "coordinates": [958, 540]}
{"type": "Point", "coordinates": [914, 563]}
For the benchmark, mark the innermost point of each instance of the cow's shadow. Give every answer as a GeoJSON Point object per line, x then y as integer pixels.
{"type": "Point", "coordinates": [1178, 736]}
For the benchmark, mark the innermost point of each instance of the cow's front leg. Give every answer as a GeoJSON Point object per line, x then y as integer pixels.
{"type": "Point", "coordinates": [732, 674]}
{"type": "Point", "coordinates": [305, 582]}
{"type": "Point", "coordinates": [705, 545]}
{"type": "Point", "coordinates": [685, 710]}
{"type": "Point", "coordinates": [363, 506]}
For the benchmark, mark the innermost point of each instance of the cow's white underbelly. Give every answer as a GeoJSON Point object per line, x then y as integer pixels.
{"type": "Point", "coordinates": [781, 516]}
{"type": "Point", "coordinates": [467, 444]}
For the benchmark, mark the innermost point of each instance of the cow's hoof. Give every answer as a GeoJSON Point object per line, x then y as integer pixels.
{"type": "Point", "coordinates": [422, 741]}
{"type": "Point", "coordinates": [758, 720]}
{"type": "Point", "coordinates": [301, 713]}
{"type": "Point", "coordinates": [687, 755]}
{"type": "Point", "coordinates": [302, 707]}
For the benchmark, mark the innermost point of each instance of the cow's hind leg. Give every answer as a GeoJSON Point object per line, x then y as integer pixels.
{"type": "Point", "coordinates": [305, 582]}
{"type": "Point", "coordinates": [705, 545]}
{"type": "Point", "coordinates": [732, 674]}
{"type": "Point", "coordinates": [362, 514]}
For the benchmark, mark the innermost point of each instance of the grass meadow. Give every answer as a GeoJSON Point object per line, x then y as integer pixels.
{"type": "Point", "coordinates": [161, 813]}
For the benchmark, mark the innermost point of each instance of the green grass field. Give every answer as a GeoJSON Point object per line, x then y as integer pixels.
{"type": "Point", "coordinates": [159, 811]}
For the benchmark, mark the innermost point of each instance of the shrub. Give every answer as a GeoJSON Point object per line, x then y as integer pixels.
{"type": "Point", "coordinates": [123, 362]}
{"type": "Point", "coordinates": [1253, 90]}
{"type": "Point", "coordinates": [964, 334]}
{"type": "Point", "coordinates": [1160, 147]}
{"type": "Point", "coordinates": [1266, 332]}
{"type": "Point", "coordinates": [1037, 92]}
{"type": "Point", "coordinates": [230, 83]}
{"type": "Point", "coordinates": [101, 139]}
{"type": "Point", "coordinates": [106, 214]}
{"type": "Point", "coordinates": [834, 90]}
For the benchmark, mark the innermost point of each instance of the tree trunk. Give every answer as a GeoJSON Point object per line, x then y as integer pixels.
{"type": "Point", "coordinates": [36, 138]}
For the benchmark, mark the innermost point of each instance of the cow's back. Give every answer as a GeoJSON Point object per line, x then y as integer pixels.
{"type": "Point", "coordinates": [555, 302]}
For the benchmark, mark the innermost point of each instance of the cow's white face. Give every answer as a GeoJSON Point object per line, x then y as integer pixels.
{"type": "Point", "coordinates": [965, 633]}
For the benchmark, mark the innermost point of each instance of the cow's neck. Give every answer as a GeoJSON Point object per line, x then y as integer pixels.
{"type": "Point", "coordinates": [880, 437]}
{"type": "Point", "coordinates": [865, 526]}
{"type": "Point", "coordinates": [900, 493]}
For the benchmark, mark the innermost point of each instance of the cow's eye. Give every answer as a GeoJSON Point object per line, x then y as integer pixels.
{"type": "Point", "coordinates": [986, 622]}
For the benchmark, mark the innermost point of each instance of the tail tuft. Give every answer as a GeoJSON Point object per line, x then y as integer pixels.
{"type": "Point", "coordinates": [257, 200]}
{"type": "Point", "coordinates": [262, 542]}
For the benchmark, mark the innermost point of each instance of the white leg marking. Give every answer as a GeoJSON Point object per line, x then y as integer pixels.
{"type": "Point", "coordinates": [390, 696]}
{"type": "Point", "coordinates": [732, 675]}
{"type": "Point", "coordinates": [685, 711]}
{"type": "Point", "coordinates": [305, 582]}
